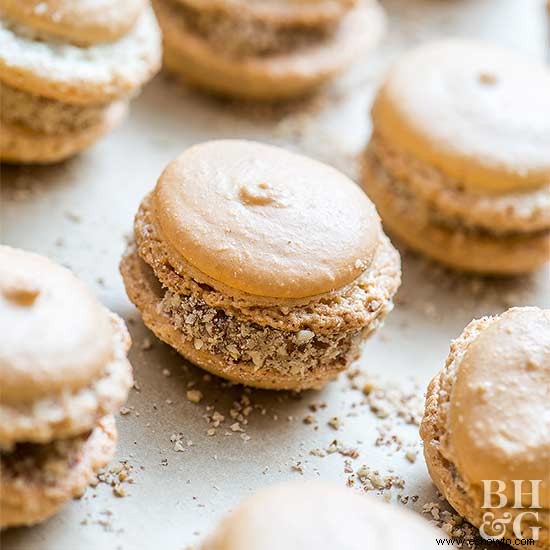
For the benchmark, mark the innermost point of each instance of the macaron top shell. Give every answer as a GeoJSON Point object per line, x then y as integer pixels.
{"type": "Point", "coordinates": [478, 113]}
{"type": "Point", "coordinates": [499, 427]}
{"type": "Point", "coordinates": [81, 22]}
{"type": "Point", "coordinates": [295, 516]}
{"type": "Point", "coordinates": [55, 334]}
{"type": "Point", "coordinates": [265, 221]}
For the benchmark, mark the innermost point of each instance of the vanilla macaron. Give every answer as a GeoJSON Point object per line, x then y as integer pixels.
{"type": "Point", "coordinates": [268, 50]}
{"type": "Point", "coordinates": [261, 266]}
{"type": "Point", "coordinates": [323, 516]}
{"type": "Point", "coordinates": [486, 424]}
{"type": "Point", "coordinates": [459, 160]}
{"type": "Point", "coordinates": [64, 372]}
{"type": "Point", "coordinates": [67, 71]}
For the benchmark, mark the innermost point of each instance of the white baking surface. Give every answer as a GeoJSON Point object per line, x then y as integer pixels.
{"type": "Point", "coordinates": [79, 213]}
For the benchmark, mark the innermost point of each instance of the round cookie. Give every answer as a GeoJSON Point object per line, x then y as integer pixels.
{"type": "Point", "coordinates": [486, 424]}
{"type": "Point", "coordinates": [79, 22]}
{"type": "Point", "coordinates": [68, 70]}
{"type": "Point", "coordinates": [263, 289]}
{"type": "Point", "coordinates": [478, 113]}
{"type": "Point", "coordinates": [457, 165]}
{"type": "Point", "coordinates": [264, 196]}
{"type": "Point", "coordinates": [294, 71]}
{"type": "Point", "coordinates": [58, 382]}
{"type": "Point", "coordinates": [37, 480]}
{"type": "Point", "coordinates": [295, 516]}
{"type": "Point", "coordinates": [80, 75]}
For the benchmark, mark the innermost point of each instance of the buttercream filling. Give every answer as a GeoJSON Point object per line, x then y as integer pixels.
{"type": "Point", "coordinates": [43, 463]}
{"type": "Point", "coordinates": [289, 353]}
{"type": "Point", "coordinates": [406, 200]}
{"type": "Point", "coordinates": [235, 34]}
{"type": "Point", "coordinates": [44, 115]}
{"type": "Point", "coordinates": [237, 341]}
{"type": "Point", "coordinates": [511, 212]}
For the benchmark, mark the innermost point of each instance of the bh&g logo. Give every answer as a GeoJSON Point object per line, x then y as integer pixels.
{"type": "Point", "coordinates": [495, 497]}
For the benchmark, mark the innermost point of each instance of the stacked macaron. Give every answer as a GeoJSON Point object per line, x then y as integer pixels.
{"type": "Point", "coordinates": [486, 425]}
{"type": "Point", "coordinates": [268, 50]}
{"type": "Point", "coordinates": [459, 161]}
{"type": "Point", "coordinates": [295, 516]}
{"type": "Point", "coordinates": [262, 266]}
{"type": "Point", "coordinates": [64, 372]}
{"type": "Point", "coordinates": [67, 71]}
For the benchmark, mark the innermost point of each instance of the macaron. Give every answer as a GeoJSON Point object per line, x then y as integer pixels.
{"type": "Point", "coordinates": [486, 424]}
{"type": "Point", "coordinates": [458, 164]}
{"type": "Point", "coordinates": [270, 50]}
{"type": "Point", "coordinates": [68, 70]}
{"type": "Point", "coordinates": [314, 514]}
{"type": "Point", "coordinates": [38, 479]}
{"type": "Point", "coordinates": [64, 372]}
{"type": "Point", "coordinates": [262, 266]}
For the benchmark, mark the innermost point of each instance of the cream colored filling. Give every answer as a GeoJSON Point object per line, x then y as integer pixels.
{"type": "Point", "coordinates": [521, 211]}
{"type": "Point", "coordinates": [406, 200]}
{"type": "Point", "coordinates": [265, 348]}
{"type": "Point", "coordinates": [235, 34]}
{"type": "Point", "coordinates": [45, 115]}
{"type": "Point", "coordinates": [42, 463]}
